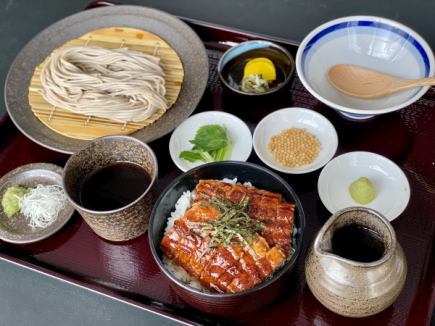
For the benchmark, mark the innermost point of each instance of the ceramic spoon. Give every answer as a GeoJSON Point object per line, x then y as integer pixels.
{"type": "Point", "coordinates": [365, 83]}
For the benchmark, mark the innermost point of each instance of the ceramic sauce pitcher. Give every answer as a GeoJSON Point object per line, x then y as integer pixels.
{"type": "Point", "coordinates": [356, 267]}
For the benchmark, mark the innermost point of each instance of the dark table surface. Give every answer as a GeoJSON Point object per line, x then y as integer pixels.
{"type": "Point", "coordinates": [28, 298]}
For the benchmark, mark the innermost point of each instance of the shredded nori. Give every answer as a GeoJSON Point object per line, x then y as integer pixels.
{"type": "Point", "coordinates": [234, 226]}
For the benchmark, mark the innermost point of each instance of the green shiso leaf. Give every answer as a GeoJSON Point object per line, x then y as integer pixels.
{"type": "Point", "coordinates": [211, 144]}
{"type": "Point", "coordinates": [210, 138]}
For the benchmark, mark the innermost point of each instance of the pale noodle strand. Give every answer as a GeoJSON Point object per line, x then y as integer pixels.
{"type": "Point", "coordinates": [117, 84]}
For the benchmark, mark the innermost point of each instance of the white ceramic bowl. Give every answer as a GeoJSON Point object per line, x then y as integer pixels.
{"type": "Point", "coordinates": [311, 121]}
{"type": "Point", "coordinates": [373, 42]}
{"type": "Point", "coordinates": [391, 184]}
{"type": "Point", "coordinates": [238, 132]}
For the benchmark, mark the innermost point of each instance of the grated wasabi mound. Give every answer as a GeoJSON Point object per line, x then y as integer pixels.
{"type": "Point", "coordinates": [362, 191]}
{"type": "Point", "coordinates": [11, 200]}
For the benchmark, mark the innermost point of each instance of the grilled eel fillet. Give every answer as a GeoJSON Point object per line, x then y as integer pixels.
{"type": "Point", "coordinates": [265, 206]}
{"type": "Point", "coordinates": [231, 268]}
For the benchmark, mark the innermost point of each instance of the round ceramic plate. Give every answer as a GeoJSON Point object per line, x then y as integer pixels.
{"type": "Point", "coordinates": [171, 29]}
{"type": "Point", "coordinates": [391, 184]}
{"type": "Point", "coordinates": [238, 132]}
{"type": "Point", "coordinates": [16, 228]}
{"type": "Point", "coordinates": [311, 121]}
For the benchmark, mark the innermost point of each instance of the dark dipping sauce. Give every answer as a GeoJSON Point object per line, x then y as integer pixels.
{"type": "Point", "coordinates": [113, 186]}
{"type": "Point", "coordinates": [357, 243]}
{"type": "Point", "coordinates": [232, 72]}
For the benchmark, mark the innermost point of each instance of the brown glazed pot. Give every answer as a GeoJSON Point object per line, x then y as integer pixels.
{"type": "Point", "coordinates": [127, 222]}
{"type": "Point", "coordinates": [352, 288]}
{"type": "Point", "coordinates": [227, 303]}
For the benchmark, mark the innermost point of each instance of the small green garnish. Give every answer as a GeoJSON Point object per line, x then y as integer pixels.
{"type": "Point", "coordinates": [234, 226]}
{"type": "Point", "coordinates": [11, 200]}
{"type": "Point", "coordinates": [196, 155]}
{"type": "Point", "coordinates": [211, 144]}
{"type": "Point", "coordinates": [362, 191]}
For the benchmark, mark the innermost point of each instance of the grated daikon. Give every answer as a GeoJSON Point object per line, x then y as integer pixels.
{"type": "Point", "coordinates": [42, 204]}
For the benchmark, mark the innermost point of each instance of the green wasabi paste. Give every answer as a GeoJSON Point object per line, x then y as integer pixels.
{"type": "Point", "coordinates": [362, 191]}
{"type": "Point", "coordinates": [11, 200]}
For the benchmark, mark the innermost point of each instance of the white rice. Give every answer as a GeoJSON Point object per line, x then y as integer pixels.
{"type": "Point", "coordinates": [234, 181]}
{"type": "Point", "coordinates": [181, 206]}
{"type": "Point", "coordinates": [230, 181]}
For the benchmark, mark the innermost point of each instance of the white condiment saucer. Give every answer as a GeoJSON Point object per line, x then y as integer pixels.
{"type": "Point", "coordinates": [391, 184]}
{"type": "Point", "coordinates": [311, 121]}
{"type": "Point", "coordinates": [238, 132]}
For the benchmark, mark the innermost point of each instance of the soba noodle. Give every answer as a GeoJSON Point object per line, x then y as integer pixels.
{"type": "Point", "coordinates": [117, 84]}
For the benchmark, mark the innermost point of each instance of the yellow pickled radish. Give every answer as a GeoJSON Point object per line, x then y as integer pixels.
{"type": "Point", "coordinates": [260, 66]}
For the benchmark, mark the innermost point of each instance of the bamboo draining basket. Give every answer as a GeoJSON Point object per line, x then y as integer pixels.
{"type": "Point", "coordinates": [88, 127]}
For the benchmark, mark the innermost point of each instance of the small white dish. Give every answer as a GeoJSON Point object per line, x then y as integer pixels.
{"type": "Point", "coordinates": [283, 119]}
{"type": "Point", "coordinates": [392, 186]}
{"type": "Point", "coordinates": [238, 132]}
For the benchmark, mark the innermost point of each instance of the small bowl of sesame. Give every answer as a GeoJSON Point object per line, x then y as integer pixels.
{"type": "Point", "coordinates": [295, 140]}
